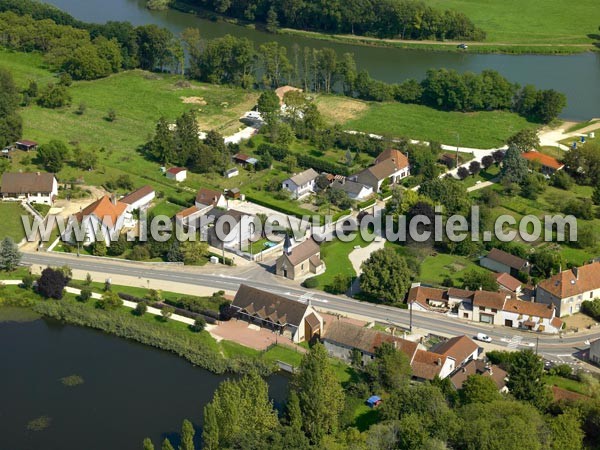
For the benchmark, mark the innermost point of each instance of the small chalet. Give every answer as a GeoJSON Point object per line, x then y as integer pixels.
{"type": "Point", "coordinates": [549, 165]}
{"type": "Point", "coordinates": [26, 145]}
{"type": "Point", "coordinates": [33, 187]}
{"type": "Point", "coordinates": [508, 283]}
{"type": "Point", "coordinates": [293, 319]}
{"type": "Point", "coordinates": [478, 367]}
{"type": "Point", "coordinates": [244, 160]}
{"type": "Point", "coordinates": [207, 198]}
{"type": "Point", "coordinates": [500, 261]}
{"type": "Point", "coordinates": [299, 261]}
{"type": "Point", "coordinates": [231, 173]}
{"type": "Point", "coordinates": [301, 184]}
{"type": "Point", "coordinates": [178, 174]}
{"type": "Point", "coordinates": [139, 199]}
{"type": "Point", "coordinates": [355, 191]}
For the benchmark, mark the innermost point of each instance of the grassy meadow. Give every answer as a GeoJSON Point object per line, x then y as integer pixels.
{"type": "Point", "coordinates": [12, 226]}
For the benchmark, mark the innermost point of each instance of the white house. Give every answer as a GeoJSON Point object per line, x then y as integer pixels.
{"type": "Point", "coordinates": [567, 290]}
{"type": "Point", "coordinates": [139, 199]}
{"type": "Point", "coordinates": [178, 174]}
{"type": "Point", "coordinates": [301, 184]}
{"type": "Point", "coordinates": [33, 187]}
{"type": "Point", "coordinates": [390, 165]}
{"type": "Point", "coordinates": [103, 219]}
{"type": "Point", "coordinates": [237, 226]}
{"type": "Point", "coordinates": [531, 316]}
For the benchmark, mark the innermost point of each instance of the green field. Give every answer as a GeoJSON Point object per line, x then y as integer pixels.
{"type": "Point", "coordinates": [476, 130]}
{"type": "Point", "coordinates": [437, 267]}
{"type": "Point", "coordinates": [12, 226]}
{"type": "Point", "coordinates": [530, 22]}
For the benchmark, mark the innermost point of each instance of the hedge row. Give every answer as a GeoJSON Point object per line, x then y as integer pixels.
{"type": "Point", "coordinates": [209, 318]}
{"type": "Point", "coordinates": [166, 338]}
{"type": "Point", "coordinates": [320, 165]}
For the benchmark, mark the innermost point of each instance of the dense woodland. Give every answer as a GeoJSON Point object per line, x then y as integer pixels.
{"type": "Point", "coordinates": [403, 19]}
{"type": "Point", "coordinates": [87, 51]}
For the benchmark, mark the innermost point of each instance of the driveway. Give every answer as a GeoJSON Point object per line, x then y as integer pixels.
{"type": "Point", "coordinates": [359, 255]}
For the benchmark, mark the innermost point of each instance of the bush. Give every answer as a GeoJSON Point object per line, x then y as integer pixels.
{"type": "Point", "coordinates": [591, 308]}
{"type": "Point", "coordinates": [85, 295]}
{"type": "Point", "coordinates": [141, 308]}
{"type": "Point", "coordinates": [562, 370]}
{"type": "Point", "coordinates": [199, 325]}
{"type": "Point", "coordinates": [139, 253]}
{"type": "Point", "coordinates": [311, 283]}
{"type": "Point", "coordinates": [109, 300]}
{"type": "Point", "coordinates": [28, 280]}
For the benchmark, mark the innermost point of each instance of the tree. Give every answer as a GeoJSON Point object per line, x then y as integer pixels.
{"type": "Point", "coordinates": [319, 393]}
{"type": "Point", "coordinates": [525, 379]}
{"type": "Point", "coordinates": [596, 195]}
{"type": "Point", "coordinates": [514, 166]}
{"type": "Point", "coordinates": [391, 368]}
{"type": "Point", "coordinates": [148, 445]}
{"type": "Point", "coordinates": [272, 22]}
{"type": "Point", "coordinates": [462, 172]}
{"type": "Point", "coordinates": [194, 252]}
{"type": "Point", "coordinates": [53, 155]}
{"type": "Point", "coordinates": [109, 300]}
{"type": "Point", "coordinates": [99, 248]}
{"type": "Point", "coordinates": [501, 424]}
{"type": "Point", "coordinates": [385, 276]}
{"type": "Point", "coordinates": [240, 410]}
{"type": "Point", "coordinates": [118, 247]}
{"type": "Point", "coordinates": [187, 436]}
{"type": "Point", "coordinates": [52, 283]}
{"type": "Point", "coordinates": [54, 96]}
{"type": "Point", "coordinates": [566, 432]}
{"type": "Point", "coordinates": [85, 160]}
{"type": "Point", "coordinates": [339, 285]}
{"type": "Point", "coordinates": [498, 156]}
{"type": "Point", "coordinates": [141, 308]}
{"type": "Point", "coordinates": [111, 115]}
{"type": "Point", "coordinates": [478, 389]}
{"type": "Point", "coordinates": [475, 280]}
{"type": "Point", "coordinates": [166, 312]}
{"type": "Point", "coordinates": [475, 167]}
{"type": "Point", "coordinates": [166, 445]}
{"type": "Point", "coordinates": [487, 161]}
{"type": "Point", "coordinates": [525, 140]}
{"type": "Point", "coordinates": [11, 125]}
{"type": "Point", "coordinates": [268, 106]}
{"type": "Point", "coordinates": [10, 256]}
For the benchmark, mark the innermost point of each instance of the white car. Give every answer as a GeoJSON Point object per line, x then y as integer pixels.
{"type": "Point", "coordinates": [483, 337]}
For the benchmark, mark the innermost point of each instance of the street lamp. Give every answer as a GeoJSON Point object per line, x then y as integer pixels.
{"type": "Point", "coordinates": [457, 146]}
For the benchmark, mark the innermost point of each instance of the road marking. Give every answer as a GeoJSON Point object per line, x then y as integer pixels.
{"type": "Point", "coordinates": [514, 342]}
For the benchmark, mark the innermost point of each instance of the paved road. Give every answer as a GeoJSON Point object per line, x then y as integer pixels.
{"type": "Point", "coordinates": [549, 345]}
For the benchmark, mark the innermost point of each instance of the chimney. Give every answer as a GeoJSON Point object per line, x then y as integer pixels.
{"type": "Point", "coordinates": [576, 272]}
{"type": "Point", "coordinates": [464, 370]}
{"type": "Point", "coordinates": [113, 199]}
{"type": "Point", "coordinates": [439, 361]}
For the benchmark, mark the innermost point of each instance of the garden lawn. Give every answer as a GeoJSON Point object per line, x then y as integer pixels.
{"type": "Point", "coordinates": [12, 226]}
{"type": "Point", "coordinates": [477, 130]}
{"type": "Point", "coordinates": [435, 268]}
{"type": "Point", "coordinates": [335, 255]}
{"type": "Point", "coordinates": [567, 383]}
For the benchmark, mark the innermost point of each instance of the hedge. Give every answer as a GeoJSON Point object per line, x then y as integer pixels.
{"type": "Point", "coordinates": [367, 204]}
{"type": "Point", "coordinates": [310, 162]}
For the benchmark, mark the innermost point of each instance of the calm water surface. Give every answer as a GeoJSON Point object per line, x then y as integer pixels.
{"type": "Point", "coordinates": [578, 76]}
{"type": "Point", "coordinates": [130, 391]}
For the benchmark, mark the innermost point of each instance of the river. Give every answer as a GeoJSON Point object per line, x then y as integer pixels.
{"type": "Point", "coordinates": [129, 391]}
{"type": "Point", "coordinates": [578, 76]}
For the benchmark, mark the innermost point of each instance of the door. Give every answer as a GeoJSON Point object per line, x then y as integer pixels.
{"type": "Point", "coordinates": [508, 323]}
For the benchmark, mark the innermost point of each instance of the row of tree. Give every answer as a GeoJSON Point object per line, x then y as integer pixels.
{"type": "Point", "coordinates": [403, 19]}
{"type": "Point", "coordinates": [11, 124]}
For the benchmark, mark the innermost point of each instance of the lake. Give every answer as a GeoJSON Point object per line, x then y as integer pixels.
{"type": "Point", "coordinates": [130, 391]}
{"type": "Point", "coordinates": [578, 76]}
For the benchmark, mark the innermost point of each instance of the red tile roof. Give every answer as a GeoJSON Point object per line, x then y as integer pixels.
{"type": "Point", "coordinates": [488, 299]}
{"type": "Point", "coordinates": [426, 365]}
{"type": "Point", "coordinates": [459, 348]}
{"type": "Point", "coordinates": [176, 170]}
{"type": "Point", "coordinates": [573, 282]}
{"type": "Point", "coordinates": [400, 159]}
{"type": "Point", "coordinates": [104, 209]}
{"type": "Point", "coordinates": [543, 159]}
{"type": "Point", "coordinates": [208, 197]}
{"type": "Point", "coordinates": [508, 281]}
{"type": "Point", "coordinates": [529, 308]}
{"type": "Point", "coordinates": [187, 212]}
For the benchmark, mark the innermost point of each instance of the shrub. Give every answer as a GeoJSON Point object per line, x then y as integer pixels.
{"type": "Point", "coordinates": [139, 253]}
{"type": "Point", "coordinates": [141, 308]}
{"type": "Point", "coordinates": [28, 280]}
{"type": "Point", "coordinates": [85, 295]}
{"type": "Point", "coordinates": [199, 325]}
{"type": "Point", "coordinates": [311, 283]}
{"type": "Point", "coordinates": [109, 300]}
{"type": "Point", "coordinates": [167, 312]}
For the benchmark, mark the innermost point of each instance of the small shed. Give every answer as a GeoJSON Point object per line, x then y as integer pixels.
{"type": "Point", "coordinates": [26, 145]}
{"type": "Point", "coordinates": [374, 401]}
{"type": "Point", "coordinates": [232, 173]}
{"type": "Point", "coordinates": [178, 174]}
{"type": "Point", "coordinates": [233, 193]}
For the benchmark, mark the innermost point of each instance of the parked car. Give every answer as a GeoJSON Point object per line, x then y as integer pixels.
{"type": "Point", "coordinates": [462, 46]}
{"type": "Point", "coordinates": [483, 337]}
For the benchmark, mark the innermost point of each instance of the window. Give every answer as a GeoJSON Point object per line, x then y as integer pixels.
{"type": "Point", "coordinates": [494, 310]}
{"type": "Point", "coordinates": [592, 294]}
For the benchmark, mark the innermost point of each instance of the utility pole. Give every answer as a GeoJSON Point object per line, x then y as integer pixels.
{"type": "Point", "coordinates": [410, 309]}
{"type": "Point", "coordinates": [457, 147]}
{"type": "Point", "coordinates": [537, 344]}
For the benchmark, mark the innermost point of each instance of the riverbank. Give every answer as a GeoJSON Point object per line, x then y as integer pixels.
{"type": "Point", "coordinates": [532, 47]}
